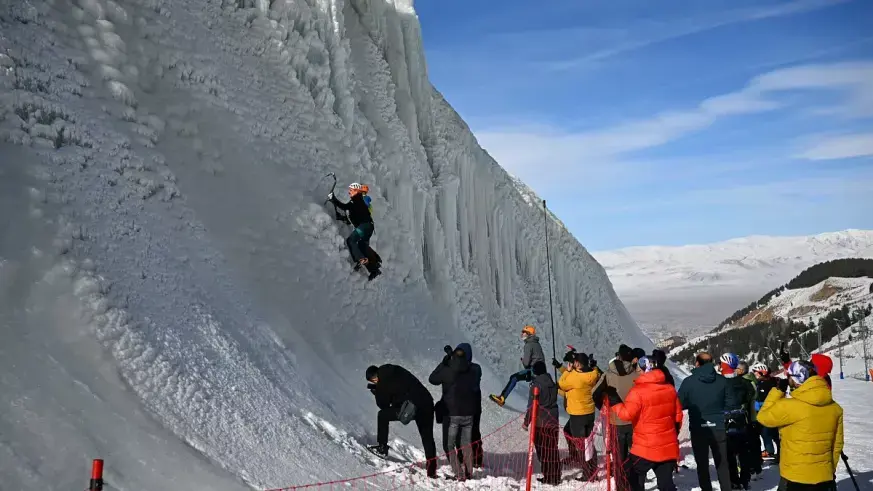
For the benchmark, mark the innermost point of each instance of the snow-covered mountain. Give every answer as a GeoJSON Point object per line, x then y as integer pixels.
{"type": "Point", "coordinates": [175, 297]}
{"type": "Point", "coordinates": [691, 288]}
{"type": "Point", "coordinates": [811, 304]}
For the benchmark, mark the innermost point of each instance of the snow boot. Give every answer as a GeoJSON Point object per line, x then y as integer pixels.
{"type": "Point", "coordinates": [380, 450]}
{"type": "Point", "coordinates": [499, 400]}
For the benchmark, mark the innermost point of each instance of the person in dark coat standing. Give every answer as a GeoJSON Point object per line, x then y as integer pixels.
{"type": "Point", "coordinates": [737, 420]}
{"type": "Point", "coordinates": [704, 394]}
{"type": "Point", "coordinates": [478, 452]}
{"type": "Point", "coordinates": [393, 385]}
{"type": "Point", "coordinates": [461, 394]}
{"type": "Point", "coordinates": [769, 436]}
{"type": "Point", "coordinates": [546, 426]}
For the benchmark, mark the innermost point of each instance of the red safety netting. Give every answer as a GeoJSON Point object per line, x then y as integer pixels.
{"type": "Point", "coordinates": [500, 461]}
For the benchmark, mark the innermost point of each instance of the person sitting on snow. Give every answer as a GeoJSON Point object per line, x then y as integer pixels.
{"type": "Point", "coordinates": [533, 353]}
{"type": "Point", "coordinates": [358, 207]}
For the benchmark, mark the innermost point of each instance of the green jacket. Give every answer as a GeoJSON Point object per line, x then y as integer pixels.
{"type": "Point", "coordinates": [750, 404]}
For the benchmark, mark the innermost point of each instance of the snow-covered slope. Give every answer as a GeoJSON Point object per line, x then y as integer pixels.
{"type": "Point", "coordinates": [692, 288]}
{"type": "Point", "coordinates": [811, 304]}
{"type": "Point", "coordinates": [175, 298]}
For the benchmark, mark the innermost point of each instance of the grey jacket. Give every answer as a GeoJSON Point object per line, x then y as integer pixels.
{"type": "Point", "coordinates": [533, 352]}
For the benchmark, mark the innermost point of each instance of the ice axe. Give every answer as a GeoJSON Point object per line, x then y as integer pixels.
{"type": "Point", "coordinates": [339, 216]}
{"type": "Point", "coordinates": [851, 475]}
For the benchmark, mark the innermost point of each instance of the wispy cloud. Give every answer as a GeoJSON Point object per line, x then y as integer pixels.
{"type": "Point", "coordinates": [641, 37]}
{"type": "Point", "coordinates": [539, 154]}
{"type": "Point", "coordinates": [840, 147]}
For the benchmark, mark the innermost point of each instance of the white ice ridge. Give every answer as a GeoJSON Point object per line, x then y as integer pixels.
{"type": "Point", "coordinates": [173, 292]}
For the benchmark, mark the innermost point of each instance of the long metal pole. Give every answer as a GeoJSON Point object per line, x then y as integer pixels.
{"type": "Point", "coordinates": [866, 367]}
{"type": "Point", "coordinates": [549, 269]}
{"type": "Point", "coordinates": [840, 343]}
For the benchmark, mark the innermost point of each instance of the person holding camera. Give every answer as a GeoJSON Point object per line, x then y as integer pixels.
{"type": "Point", "coordinates": [810, 425]}
{"type": "Point", "coordinates": [400, 396]}
{"type": "Point", "coordinates": [461, 399]}
{"type": "Point", "coordinates": [576, 385]}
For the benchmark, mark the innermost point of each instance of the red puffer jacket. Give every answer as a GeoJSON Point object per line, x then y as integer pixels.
{"type": "Point", "coordinates": [653, 407]}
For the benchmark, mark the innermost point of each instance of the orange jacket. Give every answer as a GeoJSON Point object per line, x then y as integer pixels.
{"type": "Point", "coordinates": [653, 407]}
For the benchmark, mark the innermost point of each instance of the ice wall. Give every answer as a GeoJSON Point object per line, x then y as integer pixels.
{"type": "Point", "coordinates": [169, 264]}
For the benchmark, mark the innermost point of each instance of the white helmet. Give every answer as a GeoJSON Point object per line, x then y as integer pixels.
{"type": "Point", "coordinates": [355, 185]}
{"type": "Point", "coordinates": [760, 367]}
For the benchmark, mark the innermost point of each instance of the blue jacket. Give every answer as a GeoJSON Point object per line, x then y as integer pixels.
{"type": "Point", "coordinates": [705, 395]}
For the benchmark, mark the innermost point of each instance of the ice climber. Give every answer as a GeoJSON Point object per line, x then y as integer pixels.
{"type": "Point", "coordinates": [546, 424]}
{"type": "Point", "coordinates": [358, 241]}
{"type": "Point", "coordinates": [810, 425]}
{"type": "Point", "coordinates": [653, 408]}
{"type": "Point", "coordinates": [704, 394]}
{"type": "Point", "coordinates": [532, 354]}
{"type": "Point", "coordinates": [400, 396]}
{"type": "Point", "coordinates": [461, 396]}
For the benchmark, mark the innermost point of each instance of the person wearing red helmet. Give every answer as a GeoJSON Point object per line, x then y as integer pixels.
{"type": "Point", "coordinates": [358, 241]}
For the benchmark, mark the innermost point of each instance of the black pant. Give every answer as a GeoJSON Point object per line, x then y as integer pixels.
{"type": "Point", "coordinates": [663, 472]}
{"type": "Point", "coordinates": [739, 457]}
{"type": "Point", "coordinates": [577, 428]}
{"type": "Point", "coordinates": [753, 446]}
{"type": "Point", "coordinates": [621, 455]}
{"type": "Point", "coordinates": [785, 485]}
{"type": "Point", "coordinates": [478, 454]}
{"type": "Point", "coordinates": [546, 445]}
{"type": "Point", "coordinates": [704, 440]}
{"type": "Point", "coordinates": [424, 422]}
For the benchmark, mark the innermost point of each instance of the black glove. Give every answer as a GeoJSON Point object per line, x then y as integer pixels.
{"type": "Point", "coordinates": [591, 361]}
{"type": "Point", "coordinates": [783, 355]}
{"type": "Point", "coordinates": [556, 363]}
{"type": "Point", "coordinates": [782, 385]}
{"type": "Point", "coordinates": [448, 349]}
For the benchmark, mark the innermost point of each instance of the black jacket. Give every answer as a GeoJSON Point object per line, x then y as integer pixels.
{"type": "Point", "coordinates": [763, 387]}
{"type": "Point", "coordinates": [547, 413]}
{"type": "Point", "coordinates": [461, 392]}
{"type": "Point", "coordinates": [358, 210]}
{"type": "Point", "coordinates": [704, 394]}
{"type": "Point", "coordinates": [740, 392]}
{"type": "Point", "coordinates": [396, 385]}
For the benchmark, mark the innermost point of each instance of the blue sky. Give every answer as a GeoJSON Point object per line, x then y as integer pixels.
{"type": "Point", "coordinates": [669, 122]}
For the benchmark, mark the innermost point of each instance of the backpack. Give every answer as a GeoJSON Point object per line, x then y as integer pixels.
{"type": "Point", "coordinates": [736, 421]}
{"type": "Point", "coordinates": [368, 201]}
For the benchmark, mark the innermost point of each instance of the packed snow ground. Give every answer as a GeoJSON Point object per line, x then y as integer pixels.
{"type": "Point", "coordinates": [175, 298]}
{"type": "Point", "coordinates": [690, 289]}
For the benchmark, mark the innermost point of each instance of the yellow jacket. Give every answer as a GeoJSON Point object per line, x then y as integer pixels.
{"type": "Point", "coordinates": [811, 428]}
{"type": "Point", "coordinates": [576, 387]}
